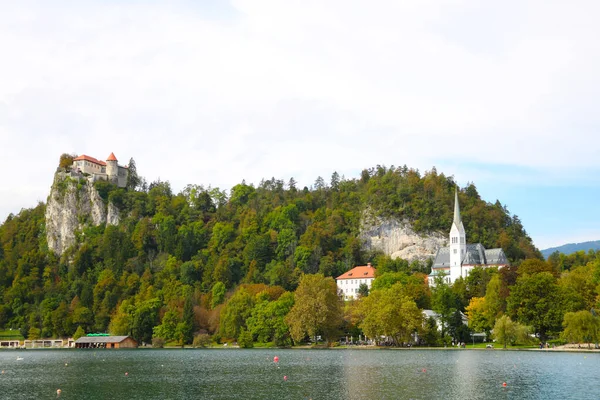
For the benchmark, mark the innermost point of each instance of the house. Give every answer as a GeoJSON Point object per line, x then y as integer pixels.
{"type": "Point", "coordinates": [458, 259]}
{"type": "Point", "coordinates": [105, 342]}
{"type": "Point", "coordinates": [349, 282]}
{"type": "Point", "coordinates": [108, 170]}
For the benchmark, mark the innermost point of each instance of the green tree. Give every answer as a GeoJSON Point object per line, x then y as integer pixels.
{"type": "Point", "coordinates": [78, 333]}
{"type": "Point", "coordinates": [317, 309]}
{"type": "Point", "coordinates": [133, 180]}
{"type": "Point", "coordinates": [166, 330]}
{"type": "Point", "coordinates": [389, 313]}
{"type": "Point", "coordinates": [507, 331]}
{"type": "Point", "coordinates": [245, 339]}
{"type": "Point", "coordinates": [581, 327]}
{"type": "Point", "coordinates": [235, 313]}
{"type": "Point", "coordinates": [363, 290]}
{"type": "Point", "coordinates": [536, 301]}
{"type": "Point", "coordinates": [218, 294]}
{"type": "Point", "coordinates": [444, 302]}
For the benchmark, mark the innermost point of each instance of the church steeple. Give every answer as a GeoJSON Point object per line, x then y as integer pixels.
{"type": "Point", "coordinates": [458, 242]}
{"type": "Point", "coordinates": [457, 220]}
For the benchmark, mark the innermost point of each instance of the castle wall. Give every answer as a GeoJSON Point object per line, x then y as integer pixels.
{"type": "Point", "coordinates": [88, 167]}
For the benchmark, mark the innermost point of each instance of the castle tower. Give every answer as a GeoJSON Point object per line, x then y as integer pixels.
{"type": "Point", "coordinates": [112, 168]}
{"type": "Point", "coordinates": [458, 242]}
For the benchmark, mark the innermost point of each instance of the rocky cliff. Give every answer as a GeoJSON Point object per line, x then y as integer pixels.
{"type": "Point", "coordinates": [74, 203]}
{"type": "Point", "coordinates": [398, 239]}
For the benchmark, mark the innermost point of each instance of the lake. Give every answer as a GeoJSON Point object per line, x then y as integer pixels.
{"type": "Point", "coordinates": [311, 374]}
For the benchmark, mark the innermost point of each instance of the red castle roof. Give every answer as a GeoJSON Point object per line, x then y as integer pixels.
{"type": "Point", "coordinates": [90, 159]}
{"type": "Point", "coordinates": [111, 157]}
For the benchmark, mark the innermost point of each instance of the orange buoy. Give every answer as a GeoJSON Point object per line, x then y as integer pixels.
{"type": "Point", "coordinates": [285, 377]}
{"type": "Point", "coordinates": [58, 392]}
{"type": "Point", "coordinates": [423, 370]}
{"type": "Point", "coordinates": [275, 359]}
{"type": "Point", "coordinates": [504, 384]}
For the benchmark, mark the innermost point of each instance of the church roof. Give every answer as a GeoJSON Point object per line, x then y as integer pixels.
{"type": "Point", "coordinates": [112, 157]}
{"type": "Point", "coordinates": [361, 272]}
{"type": "Point", "coordinates": [475, 254]}
{"type": "Point", "coordinates": [90, 159]}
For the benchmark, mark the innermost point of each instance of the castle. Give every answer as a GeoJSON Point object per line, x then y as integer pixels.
{"type": "Point", "coordinates": [99, 170]}
{"type": "Point", "coordinates": [460, 258]}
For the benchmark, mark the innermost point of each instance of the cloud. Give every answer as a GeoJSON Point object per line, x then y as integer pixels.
{"type": "Point", "coordinates": [215, 92]}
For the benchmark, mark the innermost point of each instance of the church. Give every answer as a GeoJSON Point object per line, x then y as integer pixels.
{"type": "Point", "coordinates": [458, 259]}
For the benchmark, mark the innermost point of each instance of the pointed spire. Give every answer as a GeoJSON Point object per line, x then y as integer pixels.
{"type": "Point", "coordinates": [111, 157]}
{"type": "Point", "coordinates": [457, 220]}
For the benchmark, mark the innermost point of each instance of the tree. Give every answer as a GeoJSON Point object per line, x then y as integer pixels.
{"type": "Point", "coordinates": [479, 317]}
{"type": "Point", "coordinates": [133, 180]}
{"type": "Point", "coordinates": [507, 331]}
{"type": "Point", "coordinates": [387, 312]}
{"type": "Point", "coordinates": [536, 300]}
{"type": "Point", "coordinates": [444, 302]}
{"type": "Point", "coordinates": [363, 290]}
{"type": "Point", "coordinates": [66, 161]}
{"type": "Point", "coordinates": [235, 313]}
{"type": "Point", "coordinates": [581, 327]}
{"type": "Point", "coordinates": [218, 294]}
{"type": "Point", "coordinates": [317, 309]}
{"type": "Point", "coordinates": [78, 333]}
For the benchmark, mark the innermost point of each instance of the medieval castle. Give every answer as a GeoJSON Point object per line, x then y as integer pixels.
{"type": "Point", "coordinates": [99, 170]}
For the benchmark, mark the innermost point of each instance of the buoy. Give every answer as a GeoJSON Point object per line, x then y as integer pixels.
{"type": "Point", "coordinates": [285, 377]}
{"type": "Point", "coordinates": [126, 373]}
{"type": "Point", "coordinates": [423, 370]}
{"type": "Point", "coordinates": [504, 384]}
{"type": "Point", "coordinates": [2, 371]}
{"type": "Point", "coordinates": [275, 359]}
{"type": "Point", "coordinates": [66, 365]}
{"type": "Point", "coordinates": [58, 392]}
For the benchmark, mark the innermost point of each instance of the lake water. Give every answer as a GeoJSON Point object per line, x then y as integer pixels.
{"type": "Point", "coordinates": [311, 374]}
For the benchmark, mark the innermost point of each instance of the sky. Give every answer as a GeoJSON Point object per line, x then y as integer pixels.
{"type": "Point", "coordinates": [500, 94]}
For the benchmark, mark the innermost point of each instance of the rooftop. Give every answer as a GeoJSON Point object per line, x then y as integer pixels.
{"type": "Point", "coordinates": [361, 272]}
{"type": "Point", "coordinates": [90, 159]}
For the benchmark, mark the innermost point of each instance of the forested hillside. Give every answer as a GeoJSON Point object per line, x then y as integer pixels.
{"type": "Point", "coordinates": [174, 259]}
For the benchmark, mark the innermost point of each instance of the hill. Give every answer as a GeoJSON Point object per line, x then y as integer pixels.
{"type": "Point", "coordinates": [103, 258]}
{"type": "Point", "coordinates": [571, 248]}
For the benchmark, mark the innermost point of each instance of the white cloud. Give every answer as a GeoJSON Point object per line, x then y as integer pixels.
{"type": "Point", "coordinates": [213, 93]}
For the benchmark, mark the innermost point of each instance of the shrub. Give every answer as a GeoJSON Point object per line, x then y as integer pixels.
{"type": "Point", "coordinates": [158, 343]}
{"type": "Point", "coordinates": [201, 340]}
{"type": "Point", "coordinates": [245, 339]}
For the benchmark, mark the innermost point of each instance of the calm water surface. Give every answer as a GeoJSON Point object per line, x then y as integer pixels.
{"type": "Point", "coordinates": [312, 374]}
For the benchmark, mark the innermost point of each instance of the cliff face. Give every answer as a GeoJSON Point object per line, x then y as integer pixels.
{"type": "Point", "coordinates": [397, 239]}
{"type": "Point", "coordinates": [73, 204]}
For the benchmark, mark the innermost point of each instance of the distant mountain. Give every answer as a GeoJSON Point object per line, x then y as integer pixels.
{"type": "Point", "coordinates": [572, 248]}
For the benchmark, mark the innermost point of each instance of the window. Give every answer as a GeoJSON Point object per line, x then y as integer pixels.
{"type": "Point", "coordinates": [454, 251]}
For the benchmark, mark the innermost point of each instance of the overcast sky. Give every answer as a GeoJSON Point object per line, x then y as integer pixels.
{"type": "Point", "coordinates": [500, 93]}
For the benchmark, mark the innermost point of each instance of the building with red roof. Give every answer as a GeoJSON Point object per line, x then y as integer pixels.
{"type": "Point", "coordinates": [101, 170]}
{"type": "Point", "coordinates": [349, 282]}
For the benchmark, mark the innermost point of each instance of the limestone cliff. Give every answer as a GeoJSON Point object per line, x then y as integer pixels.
{"type": "Point", "coordinates": [72, 204]}
{"type": "Point", "coordinates": [397, 239]}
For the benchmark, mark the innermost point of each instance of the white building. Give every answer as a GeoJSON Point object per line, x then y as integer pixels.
{"type": "Point", "coordinates": [458, 259]}
{"type": "Point", "coordinates": [349, 282]}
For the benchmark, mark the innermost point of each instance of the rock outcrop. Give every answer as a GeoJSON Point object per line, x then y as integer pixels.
{"type": "Point", "coordinates": [72, 204]}
{"type": "Point", "coordinates": [398, 239]}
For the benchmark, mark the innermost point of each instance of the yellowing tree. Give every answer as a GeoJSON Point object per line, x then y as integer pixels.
{"type": "Point", "coordinates": [317, 309]}
{"type": "Point", "coordinates": [480, 318]}
{"type": "Point", "coordinates": [388, 312]}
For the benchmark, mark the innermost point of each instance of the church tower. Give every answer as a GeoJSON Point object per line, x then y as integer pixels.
{"type": "Point", "coordinates": [458, 242]}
